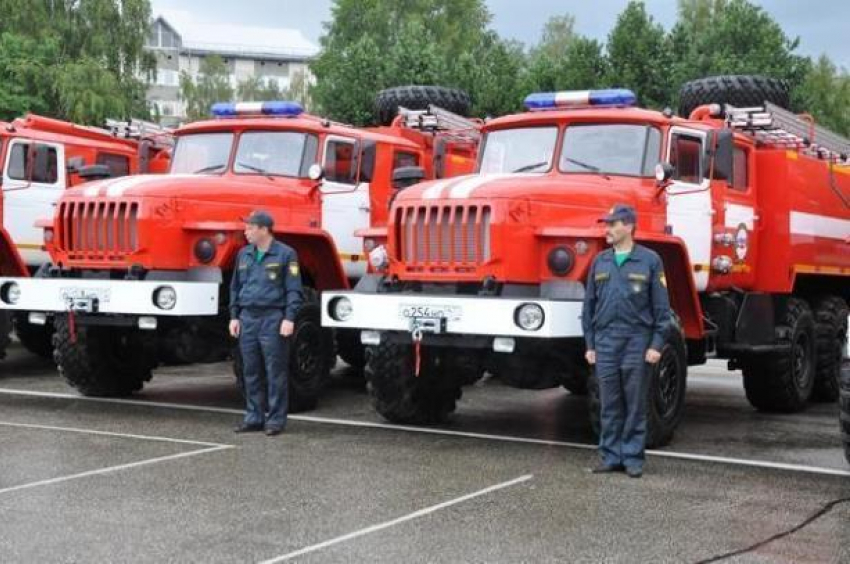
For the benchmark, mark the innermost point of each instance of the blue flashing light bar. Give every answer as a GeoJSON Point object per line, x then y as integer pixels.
{"type": "Point", "coordinates": [279, 108]}
{"type": "Point", "coordinates": [578, 98]}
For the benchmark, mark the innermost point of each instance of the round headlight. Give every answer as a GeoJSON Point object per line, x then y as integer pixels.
{"type": "Point", "coordinates": [369, 244]}
{"type": "Point", "coordinates": [529, 317]}
{"type": "Point", "coordinates": [341, 309]}
{"type": "Point", "coordinates": [204, 250]}
{"type": "Point", "coordinates": [378, 258]}
{"type": "Point", "coordinates": [165, 297]}
{"type": "Point", "coordinates": [48, 236]}
{"type": "Point", "coordinates": [11, 293]}
{"type": "Point", "coordinates": [561, 261]}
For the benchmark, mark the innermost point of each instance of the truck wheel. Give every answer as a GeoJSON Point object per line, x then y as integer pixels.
{"type": "Point", "coordinates": [37, 339]}
{"type": "Point", "coordinates": [831, 340]}
{"type": "Point", "coordinates": [350, 349]}
{"type": "Point", "coordinates": [844, 411]}
{"type": "Point", "coordinates": [574, 378]}
{"type": "Point", "coordinates": [665, 396]}
{"type": "Point", "coordinates": [309, 366]}
{"type": "Point", "coordinates": [783, 382]}
{"type": "Point", "coordinates": [5, 332]}
{"type": "Point", "coordinates": [103, 361]}
{"type": "Point", "coordinates": [402, 397]}
{"type": "Point", "coordinates": [737, 90]}
{"type": "Point", "coordinates": [388, 101]}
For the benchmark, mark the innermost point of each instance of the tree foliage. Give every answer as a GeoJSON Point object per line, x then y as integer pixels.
{"type": "Point", "coordinates": [210, 86]}
{"type": "Point", "coordinates": [81, 60]}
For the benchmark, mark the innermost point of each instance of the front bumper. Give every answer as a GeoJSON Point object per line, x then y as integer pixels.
{"type": "Point", "coordinates": [458, 315]}
{"type": "Point", "coordinates": [130, 297]}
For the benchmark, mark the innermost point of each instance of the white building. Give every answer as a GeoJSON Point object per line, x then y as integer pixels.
{"type": "Point", "coordinates": [180, 44]}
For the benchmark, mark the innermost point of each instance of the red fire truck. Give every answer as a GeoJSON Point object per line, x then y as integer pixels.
{"type": "Point", "coordinates": [749, 207]}
{"type": "Point", "coordinates": [40, 157]}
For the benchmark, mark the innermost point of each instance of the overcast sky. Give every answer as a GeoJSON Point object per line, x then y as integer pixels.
{"type": "Point", "coordinates": [823, 26]}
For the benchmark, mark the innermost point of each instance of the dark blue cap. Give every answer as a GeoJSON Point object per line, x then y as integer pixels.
{"type": "Point", "coordinates": [620, 212]}
{"type": "Point", "coordinates": [260, 218]}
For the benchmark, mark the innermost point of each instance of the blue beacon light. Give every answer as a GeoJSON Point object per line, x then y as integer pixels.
{"type": "Point", "coordinates": [578, 98]}
{"type": "Point", "coordinates": [277, 108]}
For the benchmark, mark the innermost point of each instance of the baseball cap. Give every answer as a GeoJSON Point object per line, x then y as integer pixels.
{"type": "Point", "coordinates": [620, 212]}
{"type": "Point", "coordinates": [260, 218]}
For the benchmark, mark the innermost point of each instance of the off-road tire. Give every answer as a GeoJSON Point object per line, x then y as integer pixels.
{"type": "Point", "coordinates": [309, 360]}
{"type": "Point", "coordinates": [831, 338]}
{"type": "Point", "coordinates": [388, 101]}
{"type": "Point", "coordinates": [37, 339]}
{"type": "Point", "coordinates": [783, 382]}
{"type": "Point", "coordinates": [399, 395]}
{"type": "Point", "coordinates": [103, 361]}
{"type": "Point", "coordinates": [844, 409]}
{"type": "Point", "coordinates": [737, 90]}
{"type": "Point", "coordinates": [665, 394]}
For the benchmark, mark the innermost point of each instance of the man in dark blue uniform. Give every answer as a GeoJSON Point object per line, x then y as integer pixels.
{"type": "Point", "coordinates": [265, 295]}
{"type": "Point", "coordinates": [625, 320]}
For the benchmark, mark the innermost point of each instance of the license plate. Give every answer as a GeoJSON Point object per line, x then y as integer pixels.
{"type": "Point", "coordinates": [414, 311]}
{"type": "Point", "coordinates": [84, 299]}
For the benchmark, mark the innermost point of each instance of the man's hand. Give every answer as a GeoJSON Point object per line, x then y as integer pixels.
{"type": "Point", "coordinates": [590, 357]}
{"type": "Point", "coordinates": [653, 356]}
{"type": "Point", "coordinates": [287, 328]}
{"type": "Point", "coordinates": [235, 328]}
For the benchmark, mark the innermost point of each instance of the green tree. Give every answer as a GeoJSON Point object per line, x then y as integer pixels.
{"type": "Point", "coordinates": [89, 54]}
{"type": "Point", "coordinates": [558, 34]}
{"type": "Point", "coordinates": [211, 85]}
{"type": "Point", "coordinates": [638, 56]}
{"type": "Point", "coordinates": [375, 44]}
{"type": "Point", "coordinates": [715, 37]}
{"type": "Point", "coordinates": [255, 89]}
{"type": "Point", "coordinates": [825, 93]}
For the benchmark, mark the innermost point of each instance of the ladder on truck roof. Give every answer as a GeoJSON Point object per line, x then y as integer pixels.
{"type": "Point", "coordinates": [436, 118]}
{"type": "Point", "coordinates": [139, 129]}
{"type": "Point", "coordinates": [772, 125]}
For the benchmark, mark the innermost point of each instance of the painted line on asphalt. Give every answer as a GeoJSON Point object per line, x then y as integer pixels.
{"type": "Point", "coordinates": [753, 463]}
{"type": "Point", "coordinates": [111, 469]}
{"type": "Point", "coordinates": [110, 434]}
{"type": "Point", "coordinates": [403, 519]}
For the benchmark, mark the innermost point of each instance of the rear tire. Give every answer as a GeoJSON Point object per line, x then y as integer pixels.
{"type": "Point", "coordinates": [37, 339]}
{"type": "Point", "coordinates": [665, 396]}
{"type": "Point", "coordinates": [831, 340]}
{"type": "Point", "coordinates": [309, 360]}
{"type": "Point", "coordinates": [737, 90]}
{"type": "Point", "coordinates": [388, 101]}
{"type": "Point", "coordinates": [400, 396]}
{"type": "Point", "coordinates": [783, 382]}
{"type": "Point", "coordinates": [103, 361]}
{"type": "Point", "coordinates": [5, 332]}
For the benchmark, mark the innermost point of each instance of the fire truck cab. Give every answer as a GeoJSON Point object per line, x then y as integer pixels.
{"type": "Point", "coordinates": [748, 208]}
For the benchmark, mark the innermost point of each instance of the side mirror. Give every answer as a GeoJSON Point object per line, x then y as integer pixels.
{"type": "Point", "coordinates": [406, 176]}
{"type": "Point", "coordinates": [663, 174]}
{"type": "Point", "coordinates": [723, 155]}
{"type": "Point", "coordinates": [316, 172]}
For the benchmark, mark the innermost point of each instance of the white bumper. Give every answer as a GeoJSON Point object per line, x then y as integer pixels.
{"type": "Point", "coordinates": [131, 297]}
{"type": "Point", "coordinates": [463, 315]}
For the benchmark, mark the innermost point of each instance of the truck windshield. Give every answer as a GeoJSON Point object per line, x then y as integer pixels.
{"type": "Point", "coordinates": [279, 153]}
{"type": "Point", "coordinates": [620, 149]}
{"type": "Point", "coordinates": [526, 149]}
{"type": "Point", "coordinates": [202, 153]}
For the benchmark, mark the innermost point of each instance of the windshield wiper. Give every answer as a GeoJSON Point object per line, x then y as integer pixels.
{"type": "Point", "coordinates": [209, 168]}
{"type": "Point", "coordinates": [256, 169]}
{"type": "Point", "coordinates": [586, 166]}
{"type": "Point", "coordinates": [526, 168]}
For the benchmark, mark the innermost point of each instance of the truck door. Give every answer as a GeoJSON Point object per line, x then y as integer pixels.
{"type": "Point", "coordinates": [34, 176]}
{"type": "Point", "coordinates": [345, 202]}
{"type": "Point", "coordinates": [689, 206]}
{"type": "Point", "coordinates": [740, 219]}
